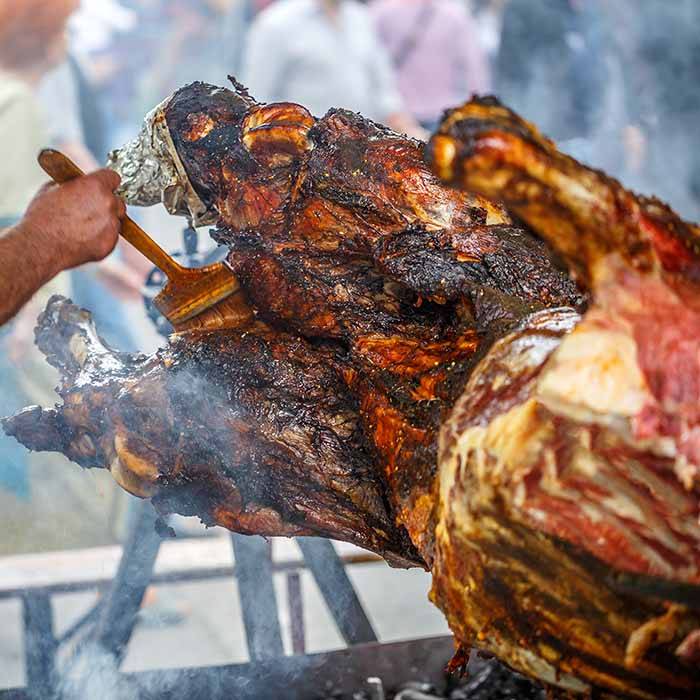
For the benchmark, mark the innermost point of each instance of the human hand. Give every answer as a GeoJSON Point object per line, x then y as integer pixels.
{"type": "Point", "coordinates": [76, 222]}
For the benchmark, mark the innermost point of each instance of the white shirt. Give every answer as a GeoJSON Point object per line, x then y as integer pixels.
{"type": "Point", "coordinates": [58, 87]}
{"type": "Point", "coordinates": [296, 53]}
{"type": "Point", "coordinates": [23, 136]}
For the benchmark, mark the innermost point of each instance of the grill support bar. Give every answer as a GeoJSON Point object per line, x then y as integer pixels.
{"type": "Point", "coordinates": [337, 590]}
{"type": "Point", "coordinates": [117, 615]}
{"type": "Point", "coordinates": [257, 595]}
{"type": "Point", "coordinates": [39, 645]}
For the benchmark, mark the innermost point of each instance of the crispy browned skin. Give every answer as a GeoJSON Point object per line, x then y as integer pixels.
{"type": "Point", "coordinates": [581, 212]}
{"type": "Point", "coordinates": [338, 230]}
{"type": "Point", "coordinates": [252, 430]}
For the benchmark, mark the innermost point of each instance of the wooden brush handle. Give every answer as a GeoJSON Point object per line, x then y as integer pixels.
{"type": "Point", "coordinates": [62, 169]}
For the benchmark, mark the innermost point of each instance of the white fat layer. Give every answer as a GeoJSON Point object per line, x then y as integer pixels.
{"type": "Point", "coordinates": [594, 370]}
{"type": "Point", "coordinates": [547, 673]}
{"type": "Point", "coordinates": [594, 377]}
{"type": "Point", "coordinates": [498, 456]}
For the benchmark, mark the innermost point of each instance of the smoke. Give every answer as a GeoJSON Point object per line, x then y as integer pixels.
{"type": "Point", "coordinates": [93, 673]}
{"type": "Point", "coordinates": [615, 84]}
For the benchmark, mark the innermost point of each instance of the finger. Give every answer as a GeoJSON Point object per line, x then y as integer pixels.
{"type": "Point", "coordinates": [114, 206]}
{"type": "Point", "coordinates": [107, 242]}
{"type": "Point", "coordinates": [120, 208]}
{"type": "Point", "coordinates": [106, 177]}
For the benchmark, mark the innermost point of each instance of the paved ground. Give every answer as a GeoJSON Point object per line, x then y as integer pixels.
{"type": "Point", "coordinates": [211, 630]}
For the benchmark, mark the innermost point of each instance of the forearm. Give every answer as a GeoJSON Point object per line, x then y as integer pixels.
{"type": "Point", "coordinates": [28, 266]}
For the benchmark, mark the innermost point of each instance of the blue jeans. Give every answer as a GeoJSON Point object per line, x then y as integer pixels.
{"type": "Point", "coordinates": [14, 476]}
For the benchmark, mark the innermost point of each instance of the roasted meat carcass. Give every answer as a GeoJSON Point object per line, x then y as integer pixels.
{"type": "Point", "coordinates": [380, 308]}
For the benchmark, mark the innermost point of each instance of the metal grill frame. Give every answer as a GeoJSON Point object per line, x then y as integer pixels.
{"type": "Point", "coordinates": [111, 622]}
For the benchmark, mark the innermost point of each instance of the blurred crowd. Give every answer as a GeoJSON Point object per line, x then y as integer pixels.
{"type": "Point", "coordinates": [616, 84]}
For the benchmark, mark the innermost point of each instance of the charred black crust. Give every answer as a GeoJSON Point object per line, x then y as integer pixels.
{"type": "Point", "coordinates": [202, 158]}
{"type": "Point", "coordinates": [594, 611]}
{"type": "Point", "coordinates": [643, 587]}
{"type": "Point", "coordinates": [278, 385]}
{"type": "Point", "coordinates": [39, 429]}
{"type": "Point", "coordinates": [517, 275]}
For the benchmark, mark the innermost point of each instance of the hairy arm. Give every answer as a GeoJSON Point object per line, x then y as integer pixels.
{"type": "Point", "coordinates": [30, 267]}
{"type": "Point", "coordinates": [63, 227]}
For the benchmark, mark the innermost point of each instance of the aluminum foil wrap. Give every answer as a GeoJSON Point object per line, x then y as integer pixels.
{"type": "Point", "coordinates": [152, 172]}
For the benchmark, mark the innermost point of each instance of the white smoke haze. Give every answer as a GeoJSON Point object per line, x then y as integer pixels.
{"type": "Point", "coordinates": [648, 86]}
{"type": "Point", "coordinates": [615, 83]}
{"type": "Point", "coordinates": [93, 673]}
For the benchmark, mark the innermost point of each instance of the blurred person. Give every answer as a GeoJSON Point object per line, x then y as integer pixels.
{"type": "Point", "coordinates": [323, 54]}
{"type": "Point", "coordinates": [237, 21]}
{"type": "Point", "coordinates": [260, 5]}
{"type": "Point", "coordinates": [65, 85]}
{"type": "Point", "coordinates": [488, 15]}
{"type": "Point", "coordinates": [551, 65]}
{"type": "Point", "coordinates": [234, 26]}
{"type": "Point", "coordinates": [94, 26]}
{"type": "Point", "coordinates": [192, 47]}
{"type": "Point", "coordinates": [32, 41]}
{"type": "Point", "coordinates": [111, 289]}
{"type": "Point", "coordinates": [24, 58]}
{"type": "Point", "coordinates": [43, 506]}
{"type": "Point", "coordinates": [660, 49]}
{"type": "Point", "coordinates": [436, 52]}
{"type": "Point", "coordinates": [115, 42]}
{"type": "Point", "coordinates": [104, 288]}
{"type": "Point", "coordinates": [62, 227]}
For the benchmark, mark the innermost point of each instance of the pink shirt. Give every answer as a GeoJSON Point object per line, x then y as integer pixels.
{"type": "Point", "coordinates": [447, 62]}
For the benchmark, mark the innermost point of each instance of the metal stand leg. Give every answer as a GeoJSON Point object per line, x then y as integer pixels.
{"type": "Point", "coordinates": [39, 645]}
{"type": "Point", "coordinates": [337, 589]}
{"type": "Point", "coordinates": [122, 602]}
{"type": "Point", "coordinates": [257, 595]}
{"type": "Point", "coordinates": [296, 613]}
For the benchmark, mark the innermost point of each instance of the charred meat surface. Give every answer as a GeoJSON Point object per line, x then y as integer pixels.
{"type": "Point", "coordinates": [419, 376]}
{"type": "Point", "coordinates": [342, 237]}
{"type": "Point", "coordinates": [254, 431]}
{"type": "Point", "coordinates": [321, 220]}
